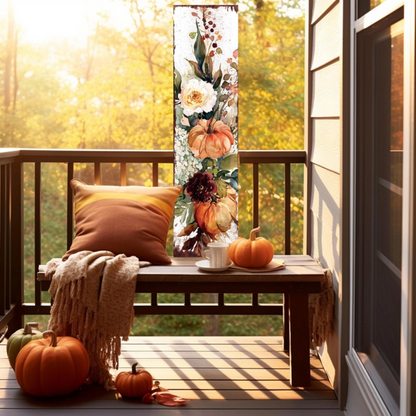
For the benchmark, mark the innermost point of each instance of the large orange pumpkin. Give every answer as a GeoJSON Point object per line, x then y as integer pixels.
{"type": "Point", "coordinates": [210, 138]}
{"type": "Point", "coordinates": [134, 383]}
{"type": "Point", "coordinates": [52, 367]}
{"type": "Point", "coordinates": [252, 253]}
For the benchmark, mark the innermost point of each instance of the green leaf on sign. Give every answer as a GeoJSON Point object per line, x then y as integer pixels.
{"type": "Point", "coordinates": [227, 77]}
{"type": "Point", "coordinates": [234, 65]}
{"type": "Point", "coordinates": [221, 188]}
{"type": "Point", "coordinates": [192, 35]}
{"type": "Point", "coordinates": [217, 79]}
{"type": "Point", "coordinates": [223, 97]}
{"type": "Point", "coordinates": [185, 211]}
{"type": "Point", "coordinates": [197, 70]}
{"type": "Point", "coordinates": [177, 83]}
{"type": "Point", "coordinates": [218, 50]}
{"type": "Point", "coordinates": [234, 184]}
{"type": "Point", "coordinates": [208, 67]}
{"type": "Point", "coordinates": [229, 162]}
{"type": "Point", "coordinates": [199, 48]}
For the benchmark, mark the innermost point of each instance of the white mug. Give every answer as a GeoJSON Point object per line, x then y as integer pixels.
{"type": "Point", "coordinates": [217, 255]}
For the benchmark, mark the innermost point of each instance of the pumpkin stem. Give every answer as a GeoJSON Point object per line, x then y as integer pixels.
{"type": "Point", "coordinates": [133, 368]}
{"type": "Point", "coordinates": [53, 337]}
{"type": "Point", "coordinates": [209, 129]}
{"type": "Point", "coordinates": [29, 326]}
{"type": "Point", "coordinates": [253, 233]}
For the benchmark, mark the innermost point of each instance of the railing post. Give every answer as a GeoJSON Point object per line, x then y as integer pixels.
{"type": "Point", "coordinates": [97, 173]}
{"type": "Point", "coordinates": [256, 189]}
{"type": "Point", "coordinates": [69, 206]}
{"type": "Point", "coordinates": [4, 240]}
{"type": "Point", "coordinates": [123, 174]}
{"type": "Point", "coordinates": [16, 244]}
{"type": "Point", "coordinates": [38, 230]}
{"type": "Point", "coordinates": [155, 174]}
{"type": "Point", "coordinates": [287, 208]}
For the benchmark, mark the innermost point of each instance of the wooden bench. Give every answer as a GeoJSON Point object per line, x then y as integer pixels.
{"type": "Point", "coordinates": [301, 276]}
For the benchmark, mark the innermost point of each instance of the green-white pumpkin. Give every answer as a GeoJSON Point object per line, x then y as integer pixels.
{"type": "Point", "coordinates": [20, 338]}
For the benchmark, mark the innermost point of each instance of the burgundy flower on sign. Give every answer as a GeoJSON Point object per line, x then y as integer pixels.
{"type": "Point", "coordinates": [200, 186]}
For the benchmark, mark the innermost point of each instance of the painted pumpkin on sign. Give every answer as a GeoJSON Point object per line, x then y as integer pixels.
{"type": "Point", "coordinates": [216, 216]}
{"type": "Point", "coordinates": [210, 138]}
{"type": "Point", "coordinates": [52, 366]}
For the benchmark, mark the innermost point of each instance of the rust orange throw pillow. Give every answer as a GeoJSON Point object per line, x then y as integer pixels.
{"type": "Point", "coordinates": [130, 220]}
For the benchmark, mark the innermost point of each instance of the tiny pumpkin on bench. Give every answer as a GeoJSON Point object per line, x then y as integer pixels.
{"type": "Point", "coordinates": [134, 383]}
{"type": "Point", "coordinates": [253, 252]}
{"type": "Point", "coordinates": [20, 338]}
{"type": "Point", "coordinates": [52, 367]}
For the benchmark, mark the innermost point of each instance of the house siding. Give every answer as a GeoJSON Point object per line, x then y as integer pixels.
{"type": "Point", "coordinates": [324, 75]}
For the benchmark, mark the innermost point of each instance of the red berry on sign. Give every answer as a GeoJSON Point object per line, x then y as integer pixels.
{"type": "Point", "coordinates": [207, 36]}
{"type": "Point", "coordinates": [212, 53]}
{"type": "Point", "coordinates": [214, 45]}
{"type": "Point", "coordinates": [210, 22]}
{"type": "Point", "coordinates": [212, 30]}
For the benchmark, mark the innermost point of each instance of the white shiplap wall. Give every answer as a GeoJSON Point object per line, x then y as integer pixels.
{"type": "Point", "coordinates": [324, 137]}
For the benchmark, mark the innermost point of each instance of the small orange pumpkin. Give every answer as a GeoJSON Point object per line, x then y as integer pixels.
{"type": "Point", "coordinates": [52, 367]}
{"type": "Point", "coordinates": [252, 253]}
{"type": "Point", "coordinates": [134, 383]}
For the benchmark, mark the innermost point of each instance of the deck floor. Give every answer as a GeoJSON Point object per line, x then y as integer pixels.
{"type": "Point", "coordinates": [220, 375]}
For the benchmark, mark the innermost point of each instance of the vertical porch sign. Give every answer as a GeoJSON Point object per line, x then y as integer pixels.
{"type": "Point", "coordinates": [206, 136]}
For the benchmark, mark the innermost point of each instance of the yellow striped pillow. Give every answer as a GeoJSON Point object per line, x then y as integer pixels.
{"type": "Point", "coordinates": [130, 220]}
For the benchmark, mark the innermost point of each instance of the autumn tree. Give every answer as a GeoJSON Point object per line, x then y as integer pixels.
{"type": "Point", "coordinates": [114, 89]}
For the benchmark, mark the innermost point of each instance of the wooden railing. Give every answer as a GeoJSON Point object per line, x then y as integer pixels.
{"type": "Point", "coordinates": [12, 196]}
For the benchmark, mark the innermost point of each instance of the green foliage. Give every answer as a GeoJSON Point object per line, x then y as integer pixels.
{"type": "Point", "coordinates": [116, 90]}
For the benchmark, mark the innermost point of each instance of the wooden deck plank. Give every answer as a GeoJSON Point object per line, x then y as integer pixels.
{"type": "Point", "coordinates": [111, 403]}
{"type": "Point", "coordinates": [80, 399]}
{"type": "Point", "coordinates": [213, 340]}
{"type": "Point", "coordinates": [229, 375]}
{"type": "Point", "coordinates": [159, 411]}
{"type": "Point", "coordinates": [260, 359]}
{"type": "Point", "coordinates": [215, 385]}
{"type": "Point", "coordinates": [220, 363]}
{"type": "Point", "coordinates": [163, 374]}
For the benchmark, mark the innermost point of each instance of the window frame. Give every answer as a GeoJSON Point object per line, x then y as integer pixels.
{"type": "Point", "coordinates": [364, 338]}
{"type": "Point", "coordinates": [408, 321]}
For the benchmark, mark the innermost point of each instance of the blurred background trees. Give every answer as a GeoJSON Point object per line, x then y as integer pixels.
{"type": "Point", "coordinates": [102, 77]}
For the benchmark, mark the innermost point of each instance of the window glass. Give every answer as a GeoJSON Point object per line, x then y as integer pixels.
{"type": "Point", "coordinates": [364, 6]}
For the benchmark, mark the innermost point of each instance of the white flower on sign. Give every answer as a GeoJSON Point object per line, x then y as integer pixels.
{"type": "Point", "coordinates": [197, 96]}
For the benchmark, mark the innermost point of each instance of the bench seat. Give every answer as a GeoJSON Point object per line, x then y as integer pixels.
{"type": "Point", "coordinates": [301, 276]}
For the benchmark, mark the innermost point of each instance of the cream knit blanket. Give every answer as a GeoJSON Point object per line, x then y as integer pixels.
{"type": "Point", "coordinates": [98, 312]}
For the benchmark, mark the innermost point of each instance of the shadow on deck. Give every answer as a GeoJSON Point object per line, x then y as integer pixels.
{"type": "Point", "coordinates": [221, 375]}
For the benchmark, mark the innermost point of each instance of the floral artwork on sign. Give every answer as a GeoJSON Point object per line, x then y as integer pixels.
{"type": "Point", "coordinates": [206, 131]}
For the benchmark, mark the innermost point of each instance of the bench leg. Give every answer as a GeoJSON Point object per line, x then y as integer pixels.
{"type": "Point", "coordinates": [285, 322]}
{"type": "Point", "coordinates": [299, 340]}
